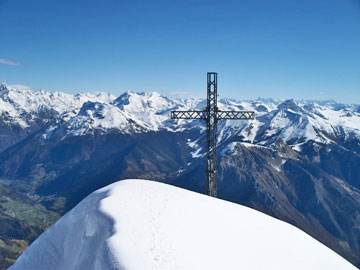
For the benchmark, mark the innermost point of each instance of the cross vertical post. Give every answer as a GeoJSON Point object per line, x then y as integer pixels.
{"type": "Point", "coordinates": [211, 115]}
{"type": "Point", "coordinates": [211, 122]}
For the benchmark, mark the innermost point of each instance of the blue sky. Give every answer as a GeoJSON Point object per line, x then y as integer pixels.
{"type": "Point", "coordinates": [308, 49]}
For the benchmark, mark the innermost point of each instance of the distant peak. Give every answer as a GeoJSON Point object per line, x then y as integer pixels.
{"type": "Point", "coordinates": [125, 97]}
{"type": "Point", "coordinates": [3, 86]}
{"type": "Point", "coordinates": [289, 104]}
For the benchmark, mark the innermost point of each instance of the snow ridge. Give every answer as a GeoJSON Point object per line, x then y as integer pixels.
{"type": "Point", "coordinates": [137, 224]}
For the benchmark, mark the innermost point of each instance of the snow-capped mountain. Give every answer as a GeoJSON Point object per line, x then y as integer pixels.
{"type": "Point", "coordinates": [80, 114]}
{"type": "Point", "coordinates": [297, 161]}
{"type": "Point", "coordinates": [24, 111]}
{"type": "Point", "coordinates": [136, 224]}
{"type": "Point", "coordinates": [19, 103]}
{"type": "Point", "coordinates": [293, 122]}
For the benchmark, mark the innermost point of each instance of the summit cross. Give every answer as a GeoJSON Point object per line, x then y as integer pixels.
{"type": "Point", "coordinates": [211, 114]}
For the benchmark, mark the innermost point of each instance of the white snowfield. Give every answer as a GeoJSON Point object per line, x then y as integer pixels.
{"type": "Point", "coordinates": [144, 225]}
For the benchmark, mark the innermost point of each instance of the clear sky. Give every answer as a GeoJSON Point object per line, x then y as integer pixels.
{"type": "Point", "coordinates": [303, 49]}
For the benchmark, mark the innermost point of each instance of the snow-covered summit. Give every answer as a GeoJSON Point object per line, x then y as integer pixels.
{"type": "Point", "coordinates": [22, 105]}
{"type": "Point", "coordinates": [137, 224]}
{"type": "Point", "coordinates": [31, 100]}
{"type": "Point", "coordinates": [151, 109]}
{"type": "Point", "coordinates": [133, 102]}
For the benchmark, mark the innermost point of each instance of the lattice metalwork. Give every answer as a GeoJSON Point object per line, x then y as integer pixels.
{"type": "Point", "coordinates": [211, 115]}
{"type": "Point", "coordinates": [189, 115]}
{"type": "Point", "coordinates": [236, 115]}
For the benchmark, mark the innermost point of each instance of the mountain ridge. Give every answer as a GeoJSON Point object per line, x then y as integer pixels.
{"type": "Point", "coordinates": [150, 111]}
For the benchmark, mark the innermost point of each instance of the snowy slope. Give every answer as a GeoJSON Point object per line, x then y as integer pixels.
{"type": "Point", "coordinates": [136, 224]}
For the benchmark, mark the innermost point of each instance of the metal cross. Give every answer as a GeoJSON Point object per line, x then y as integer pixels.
{"type": "Point", "coordinates": [211, 115]}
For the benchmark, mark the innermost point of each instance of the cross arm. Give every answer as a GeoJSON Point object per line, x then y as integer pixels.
{"type": "Point", "coordinates": [189, 115]}
{"type": "Point", "coordinates": [236, 115]}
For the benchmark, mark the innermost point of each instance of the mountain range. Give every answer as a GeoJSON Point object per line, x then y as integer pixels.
{"type": "Point", "coordinates": [297, 161]}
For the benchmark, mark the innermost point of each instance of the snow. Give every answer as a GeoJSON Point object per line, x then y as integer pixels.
{"type": "Point", "coordinates": [197, 153]}
{"type": "Point", "coordinates": [18, 101]}
{"type": "Point", "coordinates": [197, 149]}
{"type": "Point", "coordinates": [97, 116]}
{"type": "Point", "coordinates": [230, 148]}
{"type": "Point", "coordinates": [30, 100]}
{"type": "Point", "coordinates": [137, 225]}
{"type": "Point", "coordinates": [276, 168]}
{"type": "Point", "coordinates": [253, 145]}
